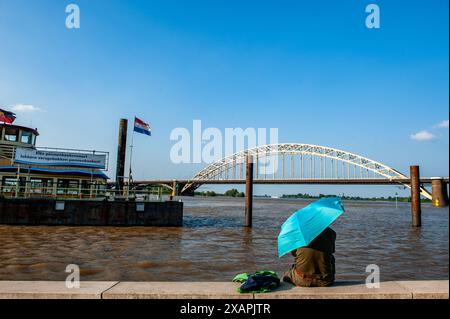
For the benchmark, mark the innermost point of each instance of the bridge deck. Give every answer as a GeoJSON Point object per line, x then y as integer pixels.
{"type": "Point", "coordinates": [359, 181]}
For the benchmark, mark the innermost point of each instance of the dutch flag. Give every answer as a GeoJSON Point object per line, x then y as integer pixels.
{"type": "Point", "coordinates": [141, 127]}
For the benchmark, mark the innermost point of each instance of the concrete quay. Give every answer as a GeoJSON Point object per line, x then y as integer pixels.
{"type": "Point", "coordinates": [42, 211]}
{"type": "Point", "coordinates": [428, 289]}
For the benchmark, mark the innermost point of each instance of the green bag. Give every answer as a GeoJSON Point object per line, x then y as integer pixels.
{"type": "Point", "coordinates": [249, 280]}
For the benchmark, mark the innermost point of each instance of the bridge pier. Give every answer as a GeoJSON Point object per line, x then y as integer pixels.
{"type": "Point", "coordinates": [416, 211]}
{"type": "Point", "coordinates": [249, 192]}
{"type": "Point", "coordinates": [174, 188]}
{"type": "Point", "coordinates": [439, 192]}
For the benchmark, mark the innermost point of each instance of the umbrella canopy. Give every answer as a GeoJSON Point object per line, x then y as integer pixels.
{"type": "Point", "coordinates": [300, 229]}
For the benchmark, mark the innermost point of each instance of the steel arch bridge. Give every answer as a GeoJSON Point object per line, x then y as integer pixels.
{"type": "Point", "coordinates": [305, 162]}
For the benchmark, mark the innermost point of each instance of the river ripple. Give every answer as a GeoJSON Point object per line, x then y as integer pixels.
{"type": "Point", "coordinates": [213, 245]}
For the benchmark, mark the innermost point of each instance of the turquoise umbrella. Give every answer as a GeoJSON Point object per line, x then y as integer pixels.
{"type": "Point", "coordinates": [300, 229]}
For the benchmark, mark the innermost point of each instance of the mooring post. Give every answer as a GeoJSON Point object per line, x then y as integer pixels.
{"type": "Point", "coordinates": [249, 192]}
{"type": "Point", "coordinates": [121, 152]}
{"type": "Point", "coordinates": [174, 189]}
{"type": "Point", "coordinates": [416, 210]}
{"type": "Point", "coordinates": [439, 192]}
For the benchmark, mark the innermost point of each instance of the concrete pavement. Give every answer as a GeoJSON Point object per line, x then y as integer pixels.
{"type": "Point", "coordinates": [428, 289]}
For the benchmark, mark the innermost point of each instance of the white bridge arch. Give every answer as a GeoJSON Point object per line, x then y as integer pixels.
{"type": "Point", "coordinates": [307, 161]}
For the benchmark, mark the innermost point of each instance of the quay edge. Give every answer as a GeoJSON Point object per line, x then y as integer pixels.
{"type": "Point", "coordinates": [423, 289]}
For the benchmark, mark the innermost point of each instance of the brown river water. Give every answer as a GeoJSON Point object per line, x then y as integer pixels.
{"type": "Point", "coordinates": [213, 246]}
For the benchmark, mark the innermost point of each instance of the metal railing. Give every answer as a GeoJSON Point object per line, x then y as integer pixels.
{"type": "Point", "coordinates": [90, 193]}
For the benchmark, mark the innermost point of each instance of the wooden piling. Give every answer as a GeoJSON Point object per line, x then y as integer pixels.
{"type": "Point", "coordinates": [249, 192]}
{"type": "Point", "coordinates": [416, 211]}
{"type": "Point", "coordinates": [121, 152]}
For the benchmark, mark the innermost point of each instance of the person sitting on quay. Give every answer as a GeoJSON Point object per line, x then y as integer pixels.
{"type": "Point", "coordinates": [314, 264]}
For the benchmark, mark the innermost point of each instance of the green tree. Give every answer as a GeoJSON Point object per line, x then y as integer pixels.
{"type": "Point", "coordinates": [232, 192]}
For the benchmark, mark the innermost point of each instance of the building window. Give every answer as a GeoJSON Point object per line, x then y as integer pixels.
{"type": "Point", "coordinates": [9, 184]}
{"type": "Point", "coordinates": [11, 134]}
{"type": "Point", "coordinates": [85, 187]}
{"type": "Point", "coordinates": [66, 186]}
{"type": "Point", "coordinates": [26, 137]}
{"type": "Point", "coordinates": [62, 186]}
{"type": "Point", "coordinates": [72, 188]}
{"type": "Point", "coordinates": [41, 186]}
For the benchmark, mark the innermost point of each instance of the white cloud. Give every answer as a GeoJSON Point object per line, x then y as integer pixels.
{"type": "Point", "coordinates": [25, 108]}
{"type": "Point", "coordinates": [423, 136]}
{"type": "Point", "coordinates": [443, 124]}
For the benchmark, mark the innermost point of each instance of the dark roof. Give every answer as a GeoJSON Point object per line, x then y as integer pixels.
{"type": "Point", "coordinates": [33, 130]}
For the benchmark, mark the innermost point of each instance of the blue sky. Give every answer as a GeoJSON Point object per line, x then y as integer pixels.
{"type": "Point", "coordinates": [311, 69]}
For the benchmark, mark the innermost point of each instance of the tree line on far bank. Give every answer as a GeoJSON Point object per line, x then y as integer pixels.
{"type": "Point", "coordinates": [235, 193]}
{"type": "Point", "coordinates": [230, 193]}
{"type": "Point", "coordinates": [382, 198]}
